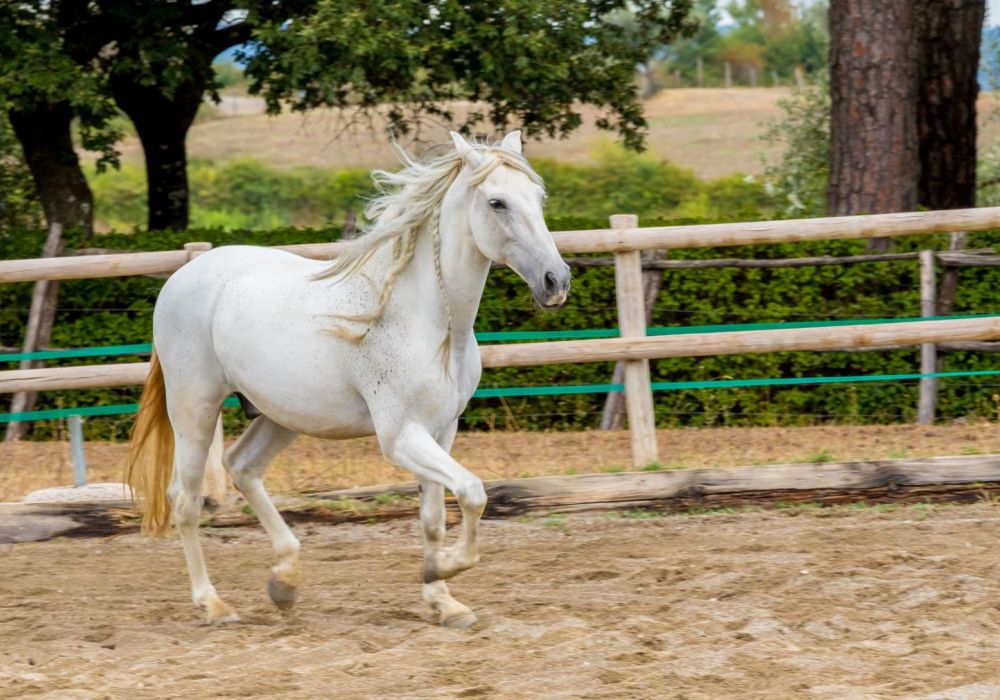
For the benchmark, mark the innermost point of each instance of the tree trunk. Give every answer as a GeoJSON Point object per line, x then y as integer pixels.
{"type": "Point", "coordinates": [874, 158]}
{"type": "Point", "coordinates": [46, 138]}
{"type": "Point", "coordinates": [949, 38]}
{"type": "Point", "coordinates": [162, 123]}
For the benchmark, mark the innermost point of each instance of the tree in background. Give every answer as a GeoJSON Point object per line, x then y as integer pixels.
{"type": "Point", "coordinates": [766, 37]}
{"type": "Point", "coordinates": [949, 39]}
{"type": "Point", "coordinates": [530, 63]}
{"type": "Point", "coordinates": [18, 202]}
{"type": "Point", "coordinates": [159, 75]}
{"type": "Point", "coordinates": [47, 82]}
{"type": "Point", "coordinates": [873, 89]}
{"type": "Point", "coordinates": [903, 86]}
{"type": "Point", "coordinates": [684, 53]}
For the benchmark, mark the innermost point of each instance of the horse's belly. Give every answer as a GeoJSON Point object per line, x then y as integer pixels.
{"type": "Point", "coordinates": [319, 406]}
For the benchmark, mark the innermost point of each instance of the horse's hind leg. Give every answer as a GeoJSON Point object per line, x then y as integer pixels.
{"type": "Point", "coordinates": [214, 485]}
{"type": "Point", "coordinates": [246, 461]}
{"type": "Point", "coordinates": [194, 429]}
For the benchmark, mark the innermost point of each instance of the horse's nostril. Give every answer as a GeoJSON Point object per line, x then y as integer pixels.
{"type": "Point", "coordinates": [550, 282]}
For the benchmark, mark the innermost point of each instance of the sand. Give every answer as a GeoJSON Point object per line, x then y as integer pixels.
{"type": "Point", "coordinates": [837, 603]}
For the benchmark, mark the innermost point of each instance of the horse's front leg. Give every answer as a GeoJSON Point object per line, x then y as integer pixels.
{"type": "Point", "coordinates": [450, 612]}
{"type": "Point", "coordinates": [416, 450]}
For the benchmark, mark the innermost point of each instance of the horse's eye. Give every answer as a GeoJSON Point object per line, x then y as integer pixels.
{"type": "Point", "coordinates": [497, 204]}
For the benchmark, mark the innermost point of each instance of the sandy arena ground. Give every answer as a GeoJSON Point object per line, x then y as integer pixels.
{"type": "Point", "coordinates": [327, 464]}
{"type": "Point", "coordinates": [839, 603]}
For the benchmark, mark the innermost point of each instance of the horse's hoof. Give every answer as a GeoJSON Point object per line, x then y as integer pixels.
{"type": "Point", "coordinates": [219, 613]}
{"type": "Point", "coordinates": [459, 620]}
{"type": "Point", "coordinates": [282, 594]}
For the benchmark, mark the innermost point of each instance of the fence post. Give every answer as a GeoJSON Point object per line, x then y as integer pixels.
{"type": "Point", "coordinates": [613, 415]}
{"type": "Point", "coordinates": [632, 322]}
{"type": "Point", "coordinates": [928, 351]}
{"type": "Point", "coordinates": [729, 75]}
{"type": "Point", "coordinates": [700, 73]}
{"type": "Point", "coordinates": [76, 444]}
{"type": "Point", "coordinates": [194, 249]}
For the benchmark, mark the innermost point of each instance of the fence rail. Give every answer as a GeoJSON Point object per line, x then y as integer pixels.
{"type": "Point", "coordinates": [607, 240]}
{"type": "Point", "coordinates": [636, 346]}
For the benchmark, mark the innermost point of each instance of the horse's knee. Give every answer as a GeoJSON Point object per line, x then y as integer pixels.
{"type": "Point", "coordinates": [472, 495]}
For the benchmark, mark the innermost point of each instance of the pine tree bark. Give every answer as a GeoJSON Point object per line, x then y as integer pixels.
{"type": "Point", "coordinates": [162, 121]}
{"type": "Point", "coordinates": [949, 37]}
{"type": "Point", "coordinates": [874, 157]}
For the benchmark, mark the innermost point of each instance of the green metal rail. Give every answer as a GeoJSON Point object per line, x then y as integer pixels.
{"type": "Point", "coordinates": [501, 336]}
{"type": "Point", "coordinates": [553, 390]}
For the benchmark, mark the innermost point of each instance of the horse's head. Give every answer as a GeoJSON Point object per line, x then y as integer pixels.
{"type": "Point", "coordinates": [505, 213]}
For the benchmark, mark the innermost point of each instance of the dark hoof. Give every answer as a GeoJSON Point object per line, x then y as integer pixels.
{"type": "Point", "coordinates": [281, 593]}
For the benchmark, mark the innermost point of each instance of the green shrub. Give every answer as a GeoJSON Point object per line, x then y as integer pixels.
{"type": "Point", "coordinates": [247, 195]}
{"type": "Point", "coordinates": [797, 181]}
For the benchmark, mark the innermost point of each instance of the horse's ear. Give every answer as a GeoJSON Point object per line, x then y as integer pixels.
{"type": "Point", "coordinates": [512, 142]}
{"type": "Point", "coordinates": [465, 149]}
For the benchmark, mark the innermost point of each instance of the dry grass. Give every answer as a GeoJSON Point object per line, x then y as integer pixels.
{"type": "Point", "coordinates": [712, 131]}
{"type": "Point", "coordinates": [314, 464]}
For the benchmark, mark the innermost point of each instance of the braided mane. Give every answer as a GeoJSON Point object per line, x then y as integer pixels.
{"type": "Point", "coordinates": [407, 206]}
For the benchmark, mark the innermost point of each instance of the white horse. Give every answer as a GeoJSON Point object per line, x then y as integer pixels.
{"type": "Point", "coordinates": [378, 341]}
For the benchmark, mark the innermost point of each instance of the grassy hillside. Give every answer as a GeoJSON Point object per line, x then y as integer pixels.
{"type": "Point", "coordinates": [711, 132]}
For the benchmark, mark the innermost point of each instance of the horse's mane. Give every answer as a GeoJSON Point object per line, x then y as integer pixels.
{"type": "Point", "coordinates": [409, 203]}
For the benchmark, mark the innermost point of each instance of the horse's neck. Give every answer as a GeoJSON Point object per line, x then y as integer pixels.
{"type": "Point", "coordinates": [463, 271]}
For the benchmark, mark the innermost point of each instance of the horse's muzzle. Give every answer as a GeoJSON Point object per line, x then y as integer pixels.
{"type": "Point", "coordinates": [553, 288]}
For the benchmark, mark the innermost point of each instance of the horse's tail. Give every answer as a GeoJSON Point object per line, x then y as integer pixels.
{"type": "Point", "coordinates": [150, 459]}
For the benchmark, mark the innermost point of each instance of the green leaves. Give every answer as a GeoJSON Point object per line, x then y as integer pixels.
{"type": "Point", "coordinates": [531, 62]}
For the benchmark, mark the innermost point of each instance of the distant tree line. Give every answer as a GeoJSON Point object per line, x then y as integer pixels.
{"type": "Point", "coordinates": [765, 39]}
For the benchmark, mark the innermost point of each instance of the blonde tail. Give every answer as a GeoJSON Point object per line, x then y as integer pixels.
{"type": "Point", "coordinates": [150, 460]}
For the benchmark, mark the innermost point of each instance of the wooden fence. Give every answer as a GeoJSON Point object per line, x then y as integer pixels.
{"type": "Point", "coordinates": [625, 239]}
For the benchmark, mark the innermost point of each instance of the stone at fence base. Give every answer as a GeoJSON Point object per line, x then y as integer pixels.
{"type": "Point", "coordinates": [109, 491]}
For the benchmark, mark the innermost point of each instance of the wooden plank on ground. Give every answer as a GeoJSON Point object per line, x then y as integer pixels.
{"type": "Point", "coordinates": [937, 479]}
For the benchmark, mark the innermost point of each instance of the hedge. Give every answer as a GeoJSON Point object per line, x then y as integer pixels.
{"type": "Point", "coordinates": [119, 310]}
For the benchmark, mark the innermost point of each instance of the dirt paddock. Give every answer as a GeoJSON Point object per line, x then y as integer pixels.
{"type": "Point", "coordinates": [832, 603]}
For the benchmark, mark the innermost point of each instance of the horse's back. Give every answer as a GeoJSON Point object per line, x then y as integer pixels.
{"type": "Point", "coordinates": [187, 311]}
